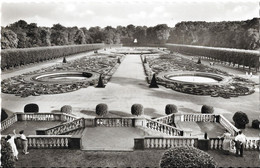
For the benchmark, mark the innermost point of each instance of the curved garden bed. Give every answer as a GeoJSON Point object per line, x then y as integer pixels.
{"type": "Point", "coordinates": [27, 84]}
{"type": "Point", "coordinates": [167, 65]}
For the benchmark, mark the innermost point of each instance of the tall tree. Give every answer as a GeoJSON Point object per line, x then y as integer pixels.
{"type": "Point", "coordinates": [59, 36]}
{"type": "Point", "coordinates": [79, 37]}
{"type": "Point", "coordinates": [9, 39]}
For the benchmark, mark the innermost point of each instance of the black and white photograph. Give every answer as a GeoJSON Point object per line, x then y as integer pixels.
{"type": "Point", "coordinates": [130, 83]}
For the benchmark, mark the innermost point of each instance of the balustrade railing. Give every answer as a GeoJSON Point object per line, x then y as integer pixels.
{"type": "Point", "coordinates": [48, 141]}
{"type": "Point", "coordinates": [114, 122]}
{"type": "Point", "coordinates": [37, 116]}
{"type": "Point", "coordinates": [168, 142]}
{"type": "Point", "coordinates": [169, 119]}
{"type": "Point", "coordinates": [68, 117]}
{"type": "Point", "coordinates": [66, 127]}
{"type": "Point", "coordinates": [8, 122]}
{"type": "Point", "coordinates": [216, 143]}
{"type": "Point", "coordinates": [198, 117]}
{"type": "Point", "coordinates": [228, 126]}
{"type": "Point", "coordinates": [252, 143]}
{"type": "Point", "coordinates": [46, 117]}
{"type": "Point", "coordinates": [163, 128]}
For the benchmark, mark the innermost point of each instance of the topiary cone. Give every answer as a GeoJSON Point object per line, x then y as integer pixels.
{"type": "Point", "coordinates": [145, 60]}
{"type": "Point", "coordinates": [199, 61]}
{"type": "Point", "coordinates": [118, 60]}
{"type": "Point", "coordinates": [153, 83]}
{"type": "Point", "coordinates": [64, 60]}
{"type": "Point", "coordinates": [100, 82]}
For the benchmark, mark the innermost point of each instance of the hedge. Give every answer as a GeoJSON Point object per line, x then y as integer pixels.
{"type": "Point", "coordinates": [66, 109]}
{"type": "Point", "coordinates": [101, 109]}
{"type": "Point", "coordinates": [240, 118]}
{"type": "Point", "coordinates": [137, 109]}
{"type": "Point", "coordinates": [18, 57]}
{"type": "Point", "coordinates": [170, 108]}
{"type": "Point", "coordinates": [236, 56]}
{"type": "Point", "coordinates": [186, 157]}
{"type": "Point", "coordinates": [31, 108]}
{"type": "Point", "coordinates": [7, 157]}
{"type": "Point", "coordinates": [207, 109]}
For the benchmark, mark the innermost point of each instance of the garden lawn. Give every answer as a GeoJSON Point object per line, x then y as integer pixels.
{"type": "Point", "coordinates": [147, 158]}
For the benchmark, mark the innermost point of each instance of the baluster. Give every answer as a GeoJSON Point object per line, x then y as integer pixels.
{"type": "Point", "coordinates": [34, 142]}
{"type": "Point", "coordinates": [166, 143]}
{"type": "Point", "coordinates": [163, 143]}
{"type": "Point", "coordinates": [152, 143]}
{"type": "Point", "coordinates": [29, 142]}
{"type": "Point", "coordinates": [192, 142]}
{"type": "Point", "coordinates": [188, 142]}
{"type": "Point", "coordinates": [61, 142]}
{"type": "Point", "coordinates": [157, 143]}
{"type": "Point", "coordinates": [212, 144]}
{"type": "Point", "coordinates": [184, 142]}
{"type": "Point", "coordinates": [215, 144]}
{"type": "Point", "coordinates": [66, 142]}
{"type": "Point", "coordinates": [171, 143]}
{"type": "Point", "coordinates": [126, 123]}
{"type": "Point", "coordinates": [148, 144]}
{"type": "Point", "coordinates": [38, 143]}
{"type": "Point", "coordinates": [42, 142]}
{"type": "Point", "coordinates": [58, 142]}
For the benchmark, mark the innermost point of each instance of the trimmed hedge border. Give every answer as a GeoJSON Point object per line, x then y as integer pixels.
{"type": "Point", "coordinates": [17, 57]}
{"type": "Point", "coordinates": [235, 56]}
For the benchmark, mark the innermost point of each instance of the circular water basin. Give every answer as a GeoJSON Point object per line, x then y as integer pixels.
{"type": "Point", "coordinates": [194, 79]}
{"type": "Point", "coordinates": [63, 77]}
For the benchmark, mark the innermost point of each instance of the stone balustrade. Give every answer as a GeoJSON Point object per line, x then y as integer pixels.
{"type": "Point", "coordinates": [228, 126]}
{"type": "Point", "coordinates": [114, 122]}
{"type": "Point", "coordinates": [37, 117]}
{"type": "Point", "coordinates": [46, 117]}
{"type": "Point", "coordinates": [48, 141]}
{"type": "Point", "coordinates": [66, 127]}
{"type": "Point", "coordinates": [168, 142]}
{"type": "Point", "coordinates": [8, 122]}
{"type": "Point", "coordinates": [68, 117]}
{"type": "Point", "coordinates": [252, 143]}
{"type": "Point", "coordinates": [163, 128]}
{"type": "Point", "coordinates": [169, 119]}
{"type": "Point", "coordinates": [216, 143]}
{"type": "Point", "coordinates": [197, 117]}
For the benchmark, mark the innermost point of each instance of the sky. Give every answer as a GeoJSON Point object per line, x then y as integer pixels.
{"type": "Point", "coordinates": [103, 13]}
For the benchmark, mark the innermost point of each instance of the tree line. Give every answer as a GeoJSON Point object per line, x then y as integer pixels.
{"type": "Point", "coordinates": [23, 35]}
{"type": "Point", "coordinates": [230, 34]}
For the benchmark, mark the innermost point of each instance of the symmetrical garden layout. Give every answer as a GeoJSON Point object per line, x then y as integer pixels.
{"type": "Point", "coordinates": [61, 130]}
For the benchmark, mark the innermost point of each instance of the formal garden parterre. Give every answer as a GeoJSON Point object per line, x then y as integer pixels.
{"type": "Point", "coordinates": [46, 80]}
{"type": "Point", "coordinates": [173, 64]}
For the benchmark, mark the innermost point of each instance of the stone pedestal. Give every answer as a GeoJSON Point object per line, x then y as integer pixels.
{"type": "Point", "coordinates": [139, 122]}
{"type": "Point", "coordinates": [204, 144]}
{"type": "Point", "coordinates": [139, 143]}
{"type": "Point", "coordinates": [89, 122]}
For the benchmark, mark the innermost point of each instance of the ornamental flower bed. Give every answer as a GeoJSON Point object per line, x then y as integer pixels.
{"type": "Point", "coordinates": [237, 86]}
{"type": "Point", "coordinates": [24, 86]}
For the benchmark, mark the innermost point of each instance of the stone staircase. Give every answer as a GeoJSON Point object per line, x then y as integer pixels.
{"type": "Point", "coordinates": [77, 132]}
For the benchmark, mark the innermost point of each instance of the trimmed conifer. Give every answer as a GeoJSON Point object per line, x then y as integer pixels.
{"type": "Point", "coordinates": [153, 83]}
{"type": "Point", "coordinates": [100, 82]}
